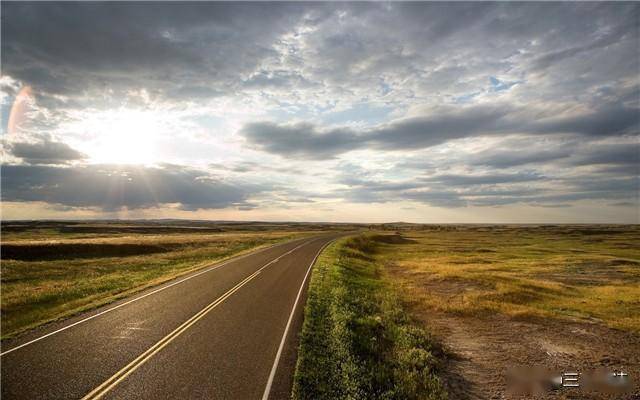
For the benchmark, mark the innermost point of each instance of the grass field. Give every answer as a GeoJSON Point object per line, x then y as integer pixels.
{"type": "Point", "coordinates": [356, 341]}
{"type": "Point", "coordinates": [53, 270]}
{"type": "Point", "coordinates": [589, 273]}
{"type": "Point", "coordinates": [498, 297]}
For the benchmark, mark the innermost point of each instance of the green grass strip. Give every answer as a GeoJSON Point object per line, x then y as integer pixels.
{"type": "Point", "coordinates": [357, 342]}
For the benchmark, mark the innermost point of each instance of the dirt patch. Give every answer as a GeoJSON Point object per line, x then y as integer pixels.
{"type": "Point", "coordinates": [482, 349]}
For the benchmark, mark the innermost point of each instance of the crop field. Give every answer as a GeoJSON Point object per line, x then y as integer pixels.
{"type": "Point", "coordinates": [52, 270]}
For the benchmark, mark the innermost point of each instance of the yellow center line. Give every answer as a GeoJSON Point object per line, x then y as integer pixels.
{"type": "Point", "coordinates": [121, 375]}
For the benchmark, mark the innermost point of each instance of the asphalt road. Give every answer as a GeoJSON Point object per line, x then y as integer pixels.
{"type": "Point", "coordinates": [218, 334]}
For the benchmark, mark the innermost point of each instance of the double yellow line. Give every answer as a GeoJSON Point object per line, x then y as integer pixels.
{"type": "Point", "coordinates": [121, 375]}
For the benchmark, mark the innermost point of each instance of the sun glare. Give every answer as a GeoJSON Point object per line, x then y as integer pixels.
{"type": "Point", "coordinates": [122, 137]}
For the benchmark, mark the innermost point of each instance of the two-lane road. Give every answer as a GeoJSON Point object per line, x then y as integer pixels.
{"type": "Point", "coordinates": [225, 332]}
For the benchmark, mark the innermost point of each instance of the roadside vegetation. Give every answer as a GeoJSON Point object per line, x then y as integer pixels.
{"type": "Point", "coordinates": [50, 273]}
{"type": "Point", "coordinates": [357, 341]}
{"type": "Point", "coordinates": [589, 273]}
{"type": "Point", "coordinates": [492, 296]}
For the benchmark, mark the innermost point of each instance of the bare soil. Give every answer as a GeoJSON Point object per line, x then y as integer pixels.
{"type": "Point", "coordinates": [481, 349]}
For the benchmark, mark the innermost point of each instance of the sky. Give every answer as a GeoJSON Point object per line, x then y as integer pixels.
{"type": "Point", "coordinates": [337, 112]}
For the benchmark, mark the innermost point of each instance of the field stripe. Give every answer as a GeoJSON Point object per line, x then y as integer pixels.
{"type": "Point", "coordinates": [274, 368]}
{"type": "Point", "coordinates": [119, 376]}
{"type": "Point", "coordinates": [64, 328]}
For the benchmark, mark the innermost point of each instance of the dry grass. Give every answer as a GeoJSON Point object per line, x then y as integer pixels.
{"type": "Point", "coordinates": [573, 272]}
{"type": "Point", "coordinates": [47, 275]}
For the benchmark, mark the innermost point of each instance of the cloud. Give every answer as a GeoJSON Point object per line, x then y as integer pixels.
{"type": "Point", "coordinates": [112, 187]}
{"type": "Point", "coordinates": [343, 50]}
{"type": "Point", "coordinates": [608, 121]}
{"type": "Point", "coordinates": [490, 179]}
{"type": "Point", "coordinates": [277, 79]}
{"type": "Point", "coordinates": [252, 167]}
{"type": "Point", "coordinates": [444, 104]}
{"type": "Point", "coordinates": [423, 132]}
{"type": "Point", "coordinates": [533, 152]}
{"type": "Point", "coordinates": [518, 156]}
{"type": "Point", "coordinates": [609, 154]}
{"type": "Point", "coordinates": [378, 185]}
{"type": "Point", "coordinates": [45, 152]}
{"type": "Point", "coordinates": [489, 189]}
{"type": "Point", "coordinates": [65, 48]}
{"type": "Point", "coordinates": [305, 140]}
{"type": "Point", "coordinates": [624, 30]}
{"type": "Point", "coordinates": [302, 140]}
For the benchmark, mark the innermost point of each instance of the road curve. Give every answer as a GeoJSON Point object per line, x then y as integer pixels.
{"type": "Point", "coordinates": [217, 334]}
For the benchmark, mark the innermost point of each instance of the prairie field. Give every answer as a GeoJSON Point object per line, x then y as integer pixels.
{"type": "Point", "coordinates": [562, 297]}
{"type": "Point", "coordinates": [54, 270]}
{"type": "Point", "coordinates": [576, 273]}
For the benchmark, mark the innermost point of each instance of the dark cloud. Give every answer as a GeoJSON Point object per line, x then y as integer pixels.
{"type": "Point", "coordinates": [626, 29]}
{"type": "Point", "coordinates": [305, 140]}
{"type": "Point", "coordinates": [459, 190]}
{"type": "Point", "coordinates": [380, 186]}
{"type": "Point", "coordinates": [517, 156]}
{"type": "Point", "coordinates": [384, 192]}
{"type": "Point", "coordinates": [249, 167]}
{"type": "Point", "coordinates": [611, 154]}
{"type": "Point", "coordinates": [446, 198]}
{"type": "Point", "coordinates": [45, 152]}
{"type": "Point", "coordinates": [607, 121]}
{"type": "Point", "coordinates": [301, 140]}
{"type": "Point", "coordinates": [561, 154]}
{"type": "Point", "coordinates": [488, 179]}
{"type": "Point", "coordinates": [605, 185]}
{"type": "Point", "coordinates": [618, 169]}
{"type": "Point", "coordinates": [111, 187]}
{"type": "Point", "coordinates": [438, 128]}
{"type": "Point", "coordinates": [67, 47]}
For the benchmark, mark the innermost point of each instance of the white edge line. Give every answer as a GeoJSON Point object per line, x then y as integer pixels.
{"type": "Point", "coordinates": [64, 328]}
{"type": "Point", "coordinates": [123, 373]}
{"type": "Point", "coordinates": [272, 374]}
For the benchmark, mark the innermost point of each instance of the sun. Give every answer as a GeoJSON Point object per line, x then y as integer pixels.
{"type": "Point", "coordinates": [122, 136]}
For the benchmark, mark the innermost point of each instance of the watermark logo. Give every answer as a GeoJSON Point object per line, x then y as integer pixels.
{"type": "Point", "coordinates": [570, 379]}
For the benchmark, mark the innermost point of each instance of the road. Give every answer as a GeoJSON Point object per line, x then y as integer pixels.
{"type": "Point", "coordinates": [226, 332]}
